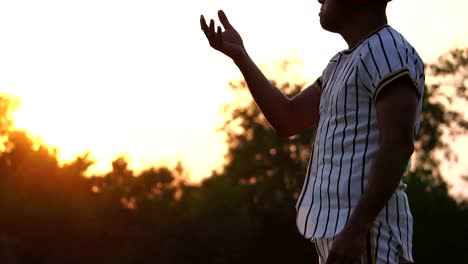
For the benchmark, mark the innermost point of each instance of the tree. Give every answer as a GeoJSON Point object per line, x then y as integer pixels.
{"type": "Point", "coordinates": [438, 216]}
{"type": "Point", "coordinates": [271, 170]}
{"type": "Point", "coordinates": [41, 203]}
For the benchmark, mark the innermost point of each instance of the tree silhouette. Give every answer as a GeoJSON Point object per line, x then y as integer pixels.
{"type": "Point", "coordinates": [436, 213]}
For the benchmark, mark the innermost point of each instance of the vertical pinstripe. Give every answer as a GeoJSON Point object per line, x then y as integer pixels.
{"type": "Point", "coordinates": [330, 173]}
{"type": "Point", "coordinates": [373, 60]}
{"type": "Point", "coordinates": [327, 249]}
{"type": "Point", "coordinates": [407, 57]}
{"type": "Point", "coordinates": [396, 47]}
{"type": "Point", "coordinates": [319, 250]}
{"type": "Point", "coordinates": [354, 151]}
{"type": "Point", "coordinates": [372, 244]}
{"type": "Point", "coordinates": [409, 243]}
{"type": "Point", "coordinates": [389, 246]}
{"type": "Point", "coordinates": [313, 189]}
{"type": "Point", "coordinates": [369, 115]}
{"type": "Point", "coordinates": [332, 77]}
{"type": "Point", "coordinates": [342, 152]}
{"type": "Point", "coordinates": [398, 214]}
{"type": "Point", "coordinates": [377, 240]}
{"type": "Point", "coordinates": [321, 178]}
{"type": "Point", "coordinates": [304, 191]}
{"type": "Point", "coordinates": [367, 71]}
{"type": "Point", "coordinates": [384, 53]}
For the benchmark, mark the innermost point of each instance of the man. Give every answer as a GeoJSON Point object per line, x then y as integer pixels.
{"type": "Point", "coordinates": [366, 107]}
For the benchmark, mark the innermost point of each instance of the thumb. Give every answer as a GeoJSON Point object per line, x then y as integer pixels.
{"type": "Point", "coordinates": [223, 19]}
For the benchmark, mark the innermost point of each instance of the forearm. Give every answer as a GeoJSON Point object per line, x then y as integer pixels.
{"type": "Point", "coordinates": [274, 105]}
{"type": "Point", "coordinates": [386, 172]}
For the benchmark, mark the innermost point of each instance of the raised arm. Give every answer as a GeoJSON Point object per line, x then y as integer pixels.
{"type": "Point", "coordinates": [287, 116]}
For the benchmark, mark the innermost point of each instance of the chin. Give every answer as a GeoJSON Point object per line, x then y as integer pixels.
{"type": "Point", "coordinates": [328, 25]}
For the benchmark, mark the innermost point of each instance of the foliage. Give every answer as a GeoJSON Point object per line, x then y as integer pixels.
{"type": "Point", "coordinates": [440, 120]}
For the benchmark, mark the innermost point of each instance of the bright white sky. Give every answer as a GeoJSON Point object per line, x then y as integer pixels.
{"type": "Point", "coordinates": [138, 78]}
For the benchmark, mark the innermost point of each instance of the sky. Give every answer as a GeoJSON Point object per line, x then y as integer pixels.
{"type": "Point", "coordinates": [137, 78]}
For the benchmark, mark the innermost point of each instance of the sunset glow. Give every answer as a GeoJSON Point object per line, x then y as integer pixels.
{"type": "Point", "coordinates": [137, 78]}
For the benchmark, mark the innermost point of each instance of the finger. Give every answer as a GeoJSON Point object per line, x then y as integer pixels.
{"type": "Point", "coordinates": [224, 20]}
{"type": "Point", "coordinates": [212, 28]}
{"type": "Point", "coordinates": [204, 26]}
{"type": "Point", "coordinates": [211, 33]}
{"type": "Point", "coordinates": [219, 37]}
{"type": "Point", "coordinates": [203, 23]}
{"type": "Point", "coordinates": [206, 30]}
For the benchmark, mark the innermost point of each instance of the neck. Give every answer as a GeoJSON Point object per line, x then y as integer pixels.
{"type": "Point", "coordinates": [360, 27]}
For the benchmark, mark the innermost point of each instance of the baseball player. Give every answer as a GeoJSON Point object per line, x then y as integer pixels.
{"type": "Point", "coordinates": [366, 107]}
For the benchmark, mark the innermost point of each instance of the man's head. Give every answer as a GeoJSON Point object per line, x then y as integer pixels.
{"type": "Point", "coordinates": [337, 14]}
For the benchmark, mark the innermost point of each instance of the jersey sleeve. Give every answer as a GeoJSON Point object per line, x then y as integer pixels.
{"type": "Point", "coordinates": [384, 60]}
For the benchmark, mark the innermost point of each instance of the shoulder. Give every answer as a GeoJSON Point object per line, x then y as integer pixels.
{"type": "Point", "coordinates": [391, 43]}
{"type": "Point", "coordinates": [387, 56]}
{"type": "Point", "coordinates": [388, 51]}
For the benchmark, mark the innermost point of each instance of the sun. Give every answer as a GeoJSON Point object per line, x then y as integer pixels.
{"type": "Point", "coordinates": [48, 127]}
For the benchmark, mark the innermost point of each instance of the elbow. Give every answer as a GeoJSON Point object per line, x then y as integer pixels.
{"type": "Point", "coordinates": [407, 146]}
{"type": "Point", "coordinates": [285, 127]}
{"type": "Point", "coordinates": [411, 150]}
{"type": "Point", "coordinates": [283, 133]}
{"type": "Point", "coordinates": [404, 147]}
{"type": "Point", "coordinates": [407, 150]}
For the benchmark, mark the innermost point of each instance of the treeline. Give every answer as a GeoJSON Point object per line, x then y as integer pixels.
{"type": "Point", "coordinates": [51, 213]}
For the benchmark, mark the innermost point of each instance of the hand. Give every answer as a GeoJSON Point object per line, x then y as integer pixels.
{"type": "Point", "coordinates": [228, 42]}
{"type": "Point", "coordinates": [347, 248]}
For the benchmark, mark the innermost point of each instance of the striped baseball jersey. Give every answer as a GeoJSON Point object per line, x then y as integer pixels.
{"type": "Point", "coordinates": [347, 137]}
